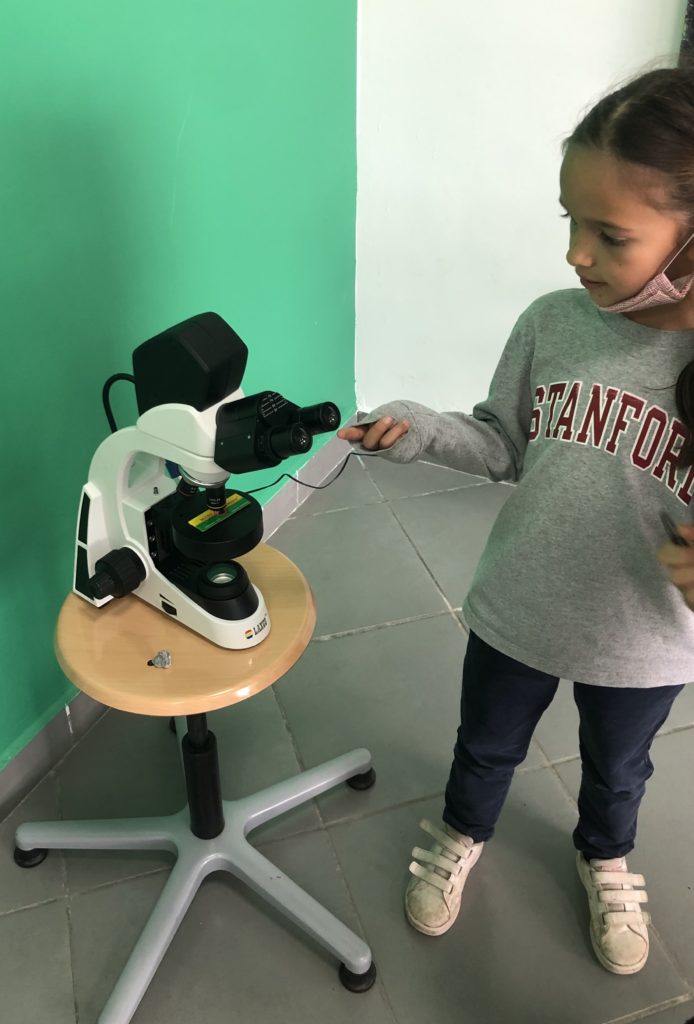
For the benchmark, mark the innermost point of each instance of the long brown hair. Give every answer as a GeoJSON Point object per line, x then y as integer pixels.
{"type": "Point", "coordinates": [650, 122]}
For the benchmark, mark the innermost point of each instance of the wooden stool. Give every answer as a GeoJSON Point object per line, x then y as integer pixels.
{"type": "Point", "coordinates": [105, 652]}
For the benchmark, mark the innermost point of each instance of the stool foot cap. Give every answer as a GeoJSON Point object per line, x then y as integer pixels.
{"type": "Point", "coordinates": [363, 781]}
{"type": "Point", "coordinates": [358, 982]}
{"type": "Point", "coordinates": [29, 858]}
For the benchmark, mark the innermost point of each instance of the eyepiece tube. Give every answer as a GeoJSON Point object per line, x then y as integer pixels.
{"type": "Point", "coordinates": [292, 440]}
{"type": "Point", "coordinates": [320, 418]}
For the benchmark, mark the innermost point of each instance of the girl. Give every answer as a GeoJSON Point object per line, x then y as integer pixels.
{"type": "Point", "coordinates": [589, 413]}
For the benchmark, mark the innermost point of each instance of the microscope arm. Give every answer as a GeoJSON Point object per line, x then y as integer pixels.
{"type": "Point", "coordinates": [127, 473]}
{"type": "Point", "coordinates": [184, 426]}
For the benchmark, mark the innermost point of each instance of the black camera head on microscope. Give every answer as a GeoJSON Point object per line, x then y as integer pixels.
{"type": "Point", "coordinates": [197, 362]}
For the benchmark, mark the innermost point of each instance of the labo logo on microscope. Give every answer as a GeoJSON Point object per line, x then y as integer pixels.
{"type": "Point", "coordinates": [250, 633]}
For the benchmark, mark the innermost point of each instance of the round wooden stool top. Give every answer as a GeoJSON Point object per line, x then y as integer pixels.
{"type": "Point", "coordinates": [104, 651]}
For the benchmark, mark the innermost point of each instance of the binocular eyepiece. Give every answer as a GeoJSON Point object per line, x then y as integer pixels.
{"type": "Point", "coordinates": [262, 430]}
{"type": "Point", "coordinates": [297, 437]}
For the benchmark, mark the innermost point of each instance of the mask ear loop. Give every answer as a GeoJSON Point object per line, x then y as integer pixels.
{"type": "Point", "coordinates": [673, 258]}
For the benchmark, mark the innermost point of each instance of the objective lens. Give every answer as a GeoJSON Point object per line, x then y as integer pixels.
{"type": "Point", "coordinates": [186, 488]}
{"type": "Point", "coordinates": [216, 498]}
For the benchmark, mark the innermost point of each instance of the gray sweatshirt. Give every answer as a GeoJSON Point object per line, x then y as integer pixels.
{"type": "Point", "coordinates": [581, 417]}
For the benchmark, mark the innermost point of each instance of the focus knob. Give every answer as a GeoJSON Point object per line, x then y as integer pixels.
{"type": "Point", "coordinates": [118, 573]}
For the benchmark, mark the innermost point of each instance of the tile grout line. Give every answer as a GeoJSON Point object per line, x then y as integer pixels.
{"type": "Point", "coordinates": [322, 829]}
{"type": "Point", "coordinates": [649, 1011]}
{"type": "Point", "coordinates": [673, 961]}
{"type": "Point", "coordinates": [547, 762]}
{"type": "Point", "coordinates": [340, 634]}
{"type": "Point", "coordinates": [349, 819]}
{"type": "Point", "coordinates": [420, 494]}
{"type": "Point", "coordinates": [675, 729]}
{"type": "Point", "coordinates": [364, 459]}
{"type": "Point", "coordinates": [287, 729]}
{"type": "Point", "coordinates": [117, 881]}
{"type": "Point", "coordinates": [70, 894]}
{"type": "Point", "coordinates": [563, 787]}
{"type": "Point", "coordinates": [449, 606]}
{"type": "Point", "coordinates": [299, 759]}
{"type": "Point", "coordinates": [67, 896]}
{"type": "Point", "coordinates": [70, 945]}
{"type": "Point", "coordinates": [30, 906]}
{"type": "Point", "coordinates": [386, 501]}
{"type": "Point", "coordinates": [355, 910]}
{"type": "Point", "coordinates": [383, 501]}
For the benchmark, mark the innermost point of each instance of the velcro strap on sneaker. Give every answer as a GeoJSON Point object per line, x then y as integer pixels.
{"type": "Point", "coordinates": [617, 877]}
{"type": "Point", "coordinates": [434, 858]}
{"type": "Point", "coordinates": [429, 876]}
{"type": "Point", "coordinates": [443, 838]}
{"type": "Point", "coordinates": [622, 896]}
{"type": "Point", "coordinates": [627, 917]}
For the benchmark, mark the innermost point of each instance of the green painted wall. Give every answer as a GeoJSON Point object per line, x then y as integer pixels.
{"type": "Point", "coordinates": [158, 159]}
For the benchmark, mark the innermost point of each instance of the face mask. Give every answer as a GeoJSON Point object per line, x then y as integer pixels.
{"type": "Point", "coordinates": [659, 291]}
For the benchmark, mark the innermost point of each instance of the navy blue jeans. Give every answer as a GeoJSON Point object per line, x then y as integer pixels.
{"type": "Point", "coordinates": [502, 702]}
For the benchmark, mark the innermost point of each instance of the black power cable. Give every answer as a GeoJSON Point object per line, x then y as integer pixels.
{"type": "Point", "coordinates": [314, 487]}
{"type": "Point", "coordinates": [106, 400]}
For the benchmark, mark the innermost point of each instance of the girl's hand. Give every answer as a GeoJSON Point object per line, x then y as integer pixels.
{"type": "Point", "coordinates": [679, 562]}
{"type": "Point", "coordinates": [376, 436]}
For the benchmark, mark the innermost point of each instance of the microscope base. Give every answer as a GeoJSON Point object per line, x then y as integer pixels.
{"type": "Point", "coordinates": [199, 857]}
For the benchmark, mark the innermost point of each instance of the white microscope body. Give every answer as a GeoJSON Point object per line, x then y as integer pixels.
{"type": "Point", "coordinates": [127, 476]}
{"type": "Point", "coordinates": [156, 519]}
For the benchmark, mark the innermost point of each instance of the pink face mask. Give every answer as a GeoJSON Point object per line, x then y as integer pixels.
{"type": "Point", "coordinates": [659, 291]}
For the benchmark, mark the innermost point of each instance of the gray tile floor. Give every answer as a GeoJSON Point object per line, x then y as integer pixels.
{"type": "Point", "coordinates": [389, 552]}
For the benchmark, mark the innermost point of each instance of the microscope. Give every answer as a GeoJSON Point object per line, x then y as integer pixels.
{"type": "Point", "coordinates": [156, 518]}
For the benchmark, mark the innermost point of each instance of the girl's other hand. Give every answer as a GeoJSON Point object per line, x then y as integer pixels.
{"type": "Point", "coordinates": [679, 562]}
{"type": "Point", "coordinates": [376, 436]}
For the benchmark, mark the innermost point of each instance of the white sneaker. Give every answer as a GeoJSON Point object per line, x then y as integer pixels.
{"type": "Point", "coordinates": [432, 899]}
{"type": "Point", "coordinates": [618, 926]}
